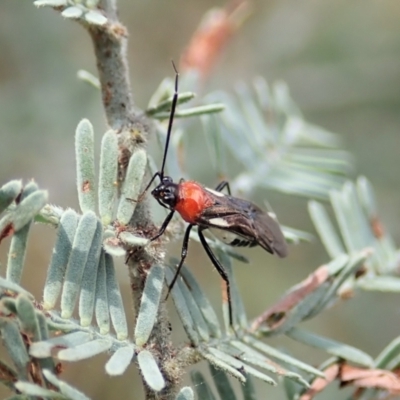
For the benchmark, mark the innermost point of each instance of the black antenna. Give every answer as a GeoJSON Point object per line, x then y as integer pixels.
{"type": "Point", "coordinates": [160, 173]}
{"type": "Point", "coordinates": [171, 120]}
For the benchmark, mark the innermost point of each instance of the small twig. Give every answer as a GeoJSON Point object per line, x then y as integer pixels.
{"type": "Point", "coordinates": [110, 43]}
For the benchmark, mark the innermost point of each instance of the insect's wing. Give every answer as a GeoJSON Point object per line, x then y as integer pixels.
{"type": "Point", "coordinates": [269, 233]}
{"type": "Point", "coordinates": [262, 229]}
{"type": "Point", "coordinates": [247, 220]}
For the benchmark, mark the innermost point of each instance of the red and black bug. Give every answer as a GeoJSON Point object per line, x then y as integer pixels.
{"type": "Point", "coordinates": [238, 222]}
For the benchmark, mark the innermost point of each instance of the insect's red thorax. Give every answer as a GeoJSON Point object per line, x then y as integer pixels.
{"type": "Point", "coordinates": [193, 199]}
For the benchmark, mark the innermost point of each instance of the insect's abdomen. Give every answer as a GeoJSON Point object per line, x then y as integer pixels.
{"type": "Point", "coordinates": [242, 243]}
{"type": "Point", "coordinates": [232, 239]}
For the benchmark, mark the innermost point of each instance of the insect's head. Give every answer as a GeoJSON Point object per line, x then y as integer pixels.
{"type": "Point", "coordinates": [166, 193]}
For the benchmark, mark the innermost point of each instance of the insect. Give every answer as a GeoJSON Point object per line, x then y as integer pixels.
{"type": "Point", "coordinates": [237, 222]}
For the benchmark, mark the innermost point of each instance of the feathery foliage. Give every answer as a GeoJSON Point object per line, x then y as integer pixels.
{"type": "Point", "coordinates": [82, 313]}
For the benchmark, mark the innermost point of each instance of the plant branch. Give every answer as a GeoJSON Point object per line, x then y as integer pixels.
{"type": "Point", "coordinates": [110, 44]}
{"type": "Point", "coordinates": [110, 8]}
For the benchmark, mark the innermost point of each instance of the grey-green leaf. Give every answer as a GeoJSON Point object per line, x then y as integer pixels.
{"type": "Point", "coordinates": [150, 370]}
{"type": "Point", "coordinates": [296, 235]}
{"type": "Point", "coordinates": [89, 78]}
{"type": "Point", "coordinates": [203, 303]}
{"type": "Point", "coordinates": [222, 383]}
{"type": "Point", "coordinates": [182, 308]}
{"type": "Point", "coordinates": [8, 192]}
{"type": "Point", "coordinates": [29, 207]}
{"type": "Point", "coordinates": [72, 12]}
{"type": "Point", "coordinates": [86, 350]}
{"type": "Point", "coordinates": [391, 351]}
{"type": "Point", "coordinates": [114, 297]}
{"type": "Point", "coordinates": [43, 334]}
{"type": "Point", "coordinates": [16, 254]}
{"type": "Point", "coordinates": [380, 284]}
{"type": "Point", "coordinates": [292, 389]}
{"type": "Point", "coordinates": [224, 366]}
{"type": "Point", "coordinates": [85, 168]}
{"type": "Point", "coordinates": [149, 305]}
{"type": "Point", "coordinates": [166, 104]}
{"type": "Point", "coordinates": [35, 390]}
{"type": "Point", "coordinates": [8, 285]}
{"type": "Point", "coordinates": [88, 290]}
{"type": "Point", "coordinates": [331, 346]}
{"type": "Point", "coordinates": [133, 240]}
{"type": "Point", "coordinates": [194, 111]}
{"type": "Point", "coordinates": [130, 190]}
{"type": "Point", "coordinates": [94, 17]}
{"type": "Point", "coordinates": [8, 375]}
{"type": "Point", "coordinates": [227, 358]}
{"type": "Point", "coordinates": [27, 317]}
{"type": "Point", "coordinates": [186, 393]}
{"type": "Point", "coordinates": [283, 357]}
{"type": "Point", "coordinates": [325, 229]}
{"type": "Point", "coordinates": [239, 313]}
{"type": "Point", "coordinates": [203, 391]}
{"type": "Point", "coordinates": [366, 196]}
{"type": "Point", "coordinates": [163, 92]}
{"type": "Point", "coordinates": [50, 3]}
{"type": "Point", "coordinates": [120, 360]}
{"type": "Point", "coordinates": [59, 258]}
{"type": "Point", "coordinates": [197, 317]}
{"type": "Point", "coordinates": [350, 269]}
{"type": "Point", "coordinates": [8, 306]}
{"type": "Point", "coordinates": [25, 212]}
{"type": "Point", "coordinates": [67, 390]}
{"type": "Point", "coordinates": [101, 307]}
{"type": "Point", "coordinates": [256, 373]}
{"type": "Point", "coordinates": [43, 348]}
{"type": "Point", "coordinates": [15, 347]}
{"type": "Point", "coordinates": [108, 176]}
{"type": "Point", "coordinates": [252, 356]}
{"type": "Point", "coordinates": [302, 310]}
{"type": "Point", "coordinates": [248, 389]}
{"type": "Point", "coordinates": [50, 215]}
{"type": "Point", "coordinates": [216, 150]}
{"type": "Point", "coordinates": [77, 261]}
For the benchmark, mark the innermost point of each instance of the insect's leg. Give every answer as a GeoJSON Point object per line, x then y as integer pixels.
{"type": "Point", "coordinates": [163, 226]}
{"type": "Point", "coordinates": [162, 204]}
{"type": "Point", "coordinates": [184, 251]}
{"type": "Point", "coordinates": [157, 174]}
{"type": "Point", "coordinates": [221, 270]}
{"type": "Point", "coordinates": [222, 185]}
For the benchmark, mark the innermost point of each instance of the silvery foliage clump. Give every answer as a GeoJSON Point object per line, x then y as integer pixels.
{"type": "Point", "coordinates": [85, 11]}
{"type": "Point", "coordinates": [263, 129]}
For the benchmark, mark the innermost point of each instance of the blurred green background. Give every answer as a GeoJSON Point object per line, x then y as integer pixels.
{"type": "Point", "coordinates": [341, 61]}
